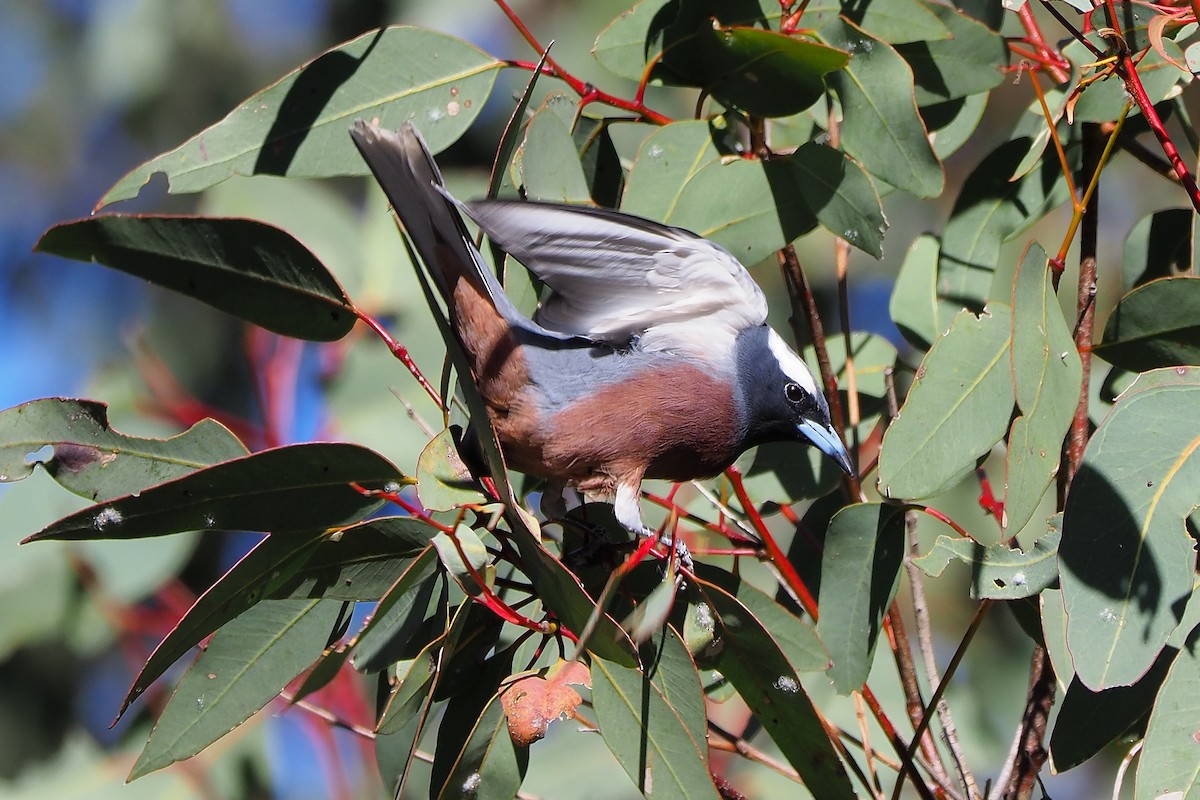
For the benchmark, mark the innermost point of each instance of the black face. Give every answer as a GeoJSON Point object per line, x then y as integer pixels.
{"type": "Point", "coordinates": [771, 404]}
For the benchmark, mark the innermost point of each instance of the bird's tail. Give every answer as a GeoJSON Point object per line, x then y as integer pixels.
{"type": "Point", "coordinates": [410, 178]}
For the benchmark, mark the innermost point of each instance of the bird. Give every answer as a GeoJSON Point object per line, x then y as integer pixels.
{"type": "Point", "coordinates": [649, 358]}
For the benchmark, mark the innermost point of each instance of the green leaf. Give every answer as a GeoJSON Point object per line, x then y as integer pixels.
{"type": "Point", "coordinates": [624, 46]}
{"type": "Point", "coordinates": [489, 766]}
{"type": "Point", "coordinates": [443, 480]}
{"type": "Point", "coordinates": [968, 61]}
{"type": "Point", "coordinates": [991, 209]}
{"type": "Point", "coordinates": [795, 635]}
{"type": "Point", "coordinates": [292, 488]}
{"type": "Point", "coordinates": [550, 166]}
{"type": "Point", "coordinates": [654, 723]}
{"type": "Point", "coordinates": [651, 613]}
{"type": "Point", "coordinates": [270, 563]}
{"type": "Point", "coordinates": [952, 123]}
{"type": "Point", "coordinates": [998, 571]}
{"type": "Point", "coordinates": [460, 722]}
{"type": "Point", "coordinates": [860, 573]}
{"type": "Point", "coordinates": [477, 556]}
{"type": "Point", "coordinates": [1155, 325]}
{"type": "Point", "coordinates": [412, 691]}
{"type": "Point", "coordinates": [1089, 721]}
{"type": "Point", "coordinates": [881, 127]}
{"type": "Point", "coordinates": [1126, 559]}
{"type": "Point", "coordinates": [894, 21]}
{"type": "Point", "coordinates": [1158, 246]}
{"type": "Point", "coordinates": [746, 653]}
{"type": "Point", "coordinates": [360, 562]}
{"type": "Point", "coordinates": [762, 72]}
{"type": "Point", "coordinates": [246, 268]}
{"type": "Point", "coordinates": [749, 207]}
{"type": "Point", "coordinates": [957, 409]}
{"type": "Point", "coordinates": [248, 662]}
{"type": "Point", "coordinates": [840, 196]}
{"type": "Point", "coordinates": [1046, 373]}
{"type": "Point", "coordinates": [1170, 759]}
{"type": "Point", "coordinates": [914, 306]}
{"type": "Point", "coordinates": [397, 616]}
{"type": "Point", "coordinates": [601, 163]}
{"type": "Point", "coordinates": [95, 461]}
{"type": "Point", "coordinates": [297, 126]}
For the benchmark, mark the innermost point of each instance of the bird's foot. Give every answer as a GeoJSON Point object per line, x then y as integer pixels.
{"type": "Point", "coordinates": [674, 545]}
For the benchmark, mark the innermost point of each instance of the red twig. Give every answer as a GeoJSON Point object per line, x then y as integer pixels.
{"type": "Point", "coordinates": [587, 93]}
{"type": "Point", "coordinates": [401, 352]}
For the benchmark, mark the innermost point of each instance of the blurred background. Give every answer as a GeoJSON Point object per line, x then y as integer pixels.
{"type": "Point", "coordinates": [91, 89]}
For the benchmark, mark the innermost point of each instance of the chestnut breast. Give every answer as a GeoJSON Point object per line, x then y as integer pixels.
{"type": "Point", "coordinates": [673, 420]}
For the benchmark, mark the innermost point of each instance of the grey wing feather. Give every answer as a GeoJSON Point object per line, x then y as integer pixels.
{"type": "Point", "coordinates": [615, 276]}
{"type": "Point", "coordinates": [404, 167]}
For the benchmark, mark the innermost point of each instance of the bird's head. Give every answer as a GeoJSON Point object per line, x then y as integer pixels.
{"type": "Point", "coordinates": [779, 400]}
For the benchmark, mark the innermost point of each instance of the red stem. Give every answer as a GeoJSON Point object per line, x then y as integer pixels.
{"type": "Point", "coordinates": [401, 352]}
{"type": "Point", "coordinates": [587, 93]}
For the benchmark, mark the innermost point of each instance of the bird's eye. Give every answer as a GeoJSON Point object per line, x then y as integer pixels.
{"type": "Point", "coordinates": [793, 393]}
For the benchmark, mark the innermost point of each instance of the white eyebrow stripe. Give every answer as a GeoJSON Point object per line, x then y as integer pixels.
{"type": "Point", "coordinates": [792, 365]}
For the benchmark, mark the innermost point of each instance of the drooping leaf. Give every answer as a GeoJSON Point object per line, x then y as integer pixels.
{"type": "Point", "coordinates": [271, 562]}
{"type": "Point", "coordinates": [473, 726]}
{"type": "Point", "coordinates": [297, 126]}
{"type": "Point", "coordinates": [1169, 765]}
{"type": "Point", "coordinates": [397, 616]}
{"type": "Point", "coordinates": [1088, 721]}
{"type": "Point", "coordinates": [969, 61]}
{"type": "Point", "coordinates": [1155, 325]}
{"type": "Point", "coordinates": [1126, 558]}
{"type": "Point", "coordinates": [957, 409]}
{"type": "Point", "coordinates": [991, 209]}
{"type": "Point", "coordinates": [1046, 372]}
{"type": "Point", "coordinates": [489, 765]}
{"type": "Point", "coordinates": [291, 488]}
{"type": "Point", "coordinates": [247, 663]}
{"type": "Point", "coordinates": [360, 562]}
{"type": "Point", "coordinates": [860, 573]}
{"type": "Point", "coordinates": [243, 267]}
{"type": "Point", "coordinates": [96, 461]}
{"type": "Point", "coordinates": [881, 127]}
{"type": "Point", "coordinates": [914, 306]}
{"type": "Point", "coordinates": [750, 207]}
{"type": "Point", "coordinates": [746, 653]}
{"type": "Point", "coordinates": [413, 690]}
{"type": "Point", "coordinates": [998, 571]}
{"type": "Point", "coordinates": [654, 722]}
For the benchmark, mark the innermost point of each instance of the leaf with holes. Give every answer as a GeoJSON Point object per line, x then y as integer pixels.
{"type": "Point", "coordinates": [95, 461]}
{"type": "Point", "coordinates": [1126, 559]}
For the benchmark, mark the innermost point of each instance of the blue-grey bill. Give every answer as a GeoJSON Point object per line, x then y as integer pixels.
{"type": "Point", "coordinates": [826, 440]}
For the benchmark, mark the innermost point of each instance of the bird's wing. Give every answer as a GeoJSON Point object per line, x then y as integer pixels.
{"type": "Point", "coordinates": [617, 277]}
